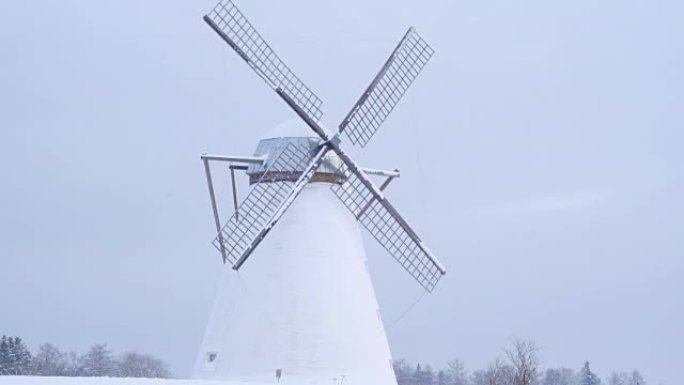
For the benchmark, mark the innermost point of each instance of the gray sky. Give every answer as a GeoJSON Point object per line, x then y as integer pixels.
{"type": "Point", "coordinates": [540, 151]}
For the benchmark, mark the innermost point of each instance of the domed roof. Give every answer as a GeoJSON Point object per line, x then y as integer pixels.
{"type": "Point", "coordinates": [292, 128]}
{"type": "Point", "coordinates": [294, 133]}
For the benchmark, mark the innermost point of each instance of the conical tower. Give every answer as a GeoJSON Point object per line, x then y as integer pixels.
{"type": "Point", "coordinates": [304, 305]}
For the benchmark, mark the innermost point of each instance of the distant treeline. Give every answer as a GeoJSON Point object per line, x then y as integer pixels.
{"type": "Point", "coordinates": [98, 361]}
{"type": "Point", "coordinates": [519, 365]}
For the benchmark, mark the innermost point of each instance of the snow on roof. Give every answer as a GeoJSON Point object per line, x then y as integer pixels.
{"type": "Point", "coordinates": [31, 380]}
{"type": "Point", "coordinates": [293, 128]}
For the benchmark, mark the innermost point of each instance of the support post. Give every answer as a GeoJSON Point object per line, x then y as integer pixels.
{"type": "Point", "coordinates": [210, 184]}
{"type": "Point", "coordinates": [235, 202]}
{"type": "Point", "coordinates": [382, 188]}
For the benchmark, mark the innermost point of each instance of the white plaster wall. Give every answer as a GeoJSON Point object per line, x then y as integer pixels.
{"type": "Point", "coordinates": [303, 302]}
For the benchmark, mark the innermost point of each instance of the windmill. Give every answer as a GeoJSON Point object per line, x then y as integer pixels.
{"type": "Point", "coordinates": [298, 305]}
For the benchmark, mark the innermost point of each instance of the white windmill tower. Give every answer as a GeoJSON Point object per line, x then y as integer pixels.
{"type": "Point", "coordinates": [303, 309]}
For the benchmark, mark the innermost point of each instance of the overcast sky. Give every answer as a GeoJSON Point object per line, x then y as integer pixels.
{"type": "Point", "coordinates": [541, 152]}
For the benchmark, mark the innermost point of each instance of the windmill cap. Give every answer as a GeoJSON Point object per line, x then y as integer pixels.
{"type": "Point", "coordinates": [298, 138]}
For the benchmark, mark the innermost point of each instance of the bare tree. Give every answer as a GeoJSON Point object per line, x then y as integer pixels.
{"type": "Point", "coordinates": [618, 378]}
{"type": "Point", "coordinates": [635, 378]}
{"type": "Point", "coordinates": [49, 361]}
{"type": "Point", "coordinates": [97, 362]}
{"type": "Point", "coordinates": [403, 372]}
{"type": "Point", "coordinates": [522, 356]}
{"type": "Point", "coordinates": [73, 364]}
{"type": "Point", "coordinates": [559, 376]}
{"type": "Point", "coordinates": [133, 364]}
{"type": "Point", "coordinates": [456, 372]}
{"type": "Point", "coordinates": [423, 376]}
{"type": "Point", "coordinates": [498, 373]}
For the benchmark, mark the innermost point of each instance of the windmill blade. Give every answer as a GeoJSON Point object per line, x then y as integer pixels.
{"type": "Point", "coordinates": [384, 223]}
{"type": "Point", "coordinates": [368, 204]}
{"type": "Point", "coordinates": [265, 204]}
{"type": "Point", "coordinates": [227, 20]}
{"type": "Point", "coordinates": [388, 87]}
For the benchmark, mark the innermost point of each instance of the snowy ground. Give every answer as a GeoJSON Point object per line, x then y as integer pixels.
{"type": "Point", "coordinates": [30, 380]}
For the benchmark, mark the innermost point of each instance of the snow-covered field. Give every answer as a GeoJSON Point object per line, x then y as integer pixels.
{"type": "Point", "coordinates": [30, 380]}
